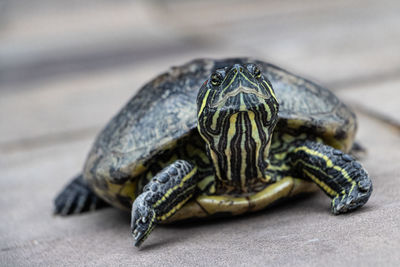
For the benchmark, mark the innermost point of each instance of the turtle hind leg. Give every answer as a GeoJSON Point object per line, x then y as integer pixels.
{"type": "Point", "coordinates": [338, 174]}
{"type": "Point", "coordinates": [76, 198]}
{"type": "Point", "coordinates": [358, 151]}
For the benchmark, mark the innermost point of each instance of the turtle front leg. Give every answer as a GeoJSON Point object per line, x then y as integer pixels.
{"type": "Point", "coordinates": [162, 197]}
{"type": "Point", "coordinates": [338, 174]}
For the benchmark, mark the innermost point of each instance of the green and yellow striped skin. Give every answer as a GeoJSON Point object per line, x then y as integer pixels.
{"type": "Point", "coordinates": [236, 118]}
{"type": "Point", "coordinates": [285, 180]}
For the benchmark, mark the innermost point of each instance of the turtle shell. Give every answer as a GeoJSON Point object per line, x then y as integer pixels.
{"type": "Point", "coordinates": [164, 110]}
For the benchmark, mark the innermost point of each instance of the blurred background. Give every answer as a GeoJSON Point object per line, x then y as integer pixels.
{"type": "Point", "coordinates": [66, 67]}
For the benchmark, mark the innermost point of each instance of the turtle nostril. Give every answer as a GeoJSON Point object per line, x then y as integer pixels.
{"type": "Point", "coordinates": [238, 67]}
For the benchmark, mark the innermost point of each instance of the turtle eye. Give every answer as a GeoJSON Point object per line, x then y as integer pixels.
{"type": "Point", "coordinates": [216, 78]}
{"type": "Point", "coordinates": [256, 72]}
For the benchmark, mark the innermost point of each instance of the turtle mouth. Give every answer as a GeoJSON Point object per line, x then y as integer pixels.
{"type": "Point", "coordinates": [236, 93]}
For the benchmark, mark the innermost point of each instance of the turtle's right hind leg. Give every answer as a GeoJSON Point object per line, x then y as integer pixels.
{"type": "Point", "coordinates": [76, 198]}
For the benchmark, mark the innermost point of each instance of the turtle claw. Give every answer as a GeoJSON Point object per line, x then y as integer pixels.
{"type": "Point", "coordinates": [76, 198]}
{"type": "Point", "coordinates": [143, 220]}
{"type": "Point", "coordinates": [357, 197]}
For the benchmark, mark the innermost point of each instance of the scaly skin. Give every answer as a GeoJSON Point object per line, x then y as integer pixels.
{"type": "Point", "coordinates": [289, 174]}
{"type": "Point", "coordinates": [77, 197]}
{"type": "Point", "coordinates": [338, 174]}
{"type": "Point", "coordinates": [162, 197]}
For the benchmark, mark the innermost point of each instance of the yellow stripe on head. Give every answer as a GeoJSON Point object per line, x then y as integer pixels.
{"type": "Point", "coordinates": [203, 103]}
{"type": "Point", "coordinates": [271, 91]}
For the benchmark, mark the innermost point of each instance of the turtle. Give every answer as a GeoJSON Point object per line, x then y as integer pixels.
{"type": "Point", "coordinates": [220, 137]}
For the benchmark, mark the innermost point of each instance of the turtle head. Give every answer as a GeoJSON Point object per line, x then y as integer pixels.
{"type": "Point", "coordinates": [237, 112]}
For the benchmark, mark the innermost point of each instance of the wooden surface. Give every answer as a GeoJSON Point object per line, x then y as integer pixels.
{"type": "Point", "coordinates": [65, 69]}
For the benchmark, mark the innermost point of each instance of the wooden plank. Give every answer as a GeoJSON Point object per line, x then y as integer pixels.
{"type": "Point", "coordinates": [332, 41]}
{"type": "Point", "coordinates": [76, 105]}
{"type": "Point", "coordinates": [79, 107]}
{"type": "Point", "coordinates": [379, 100]}
{"type": "Point", "coordinates": [41, 45]}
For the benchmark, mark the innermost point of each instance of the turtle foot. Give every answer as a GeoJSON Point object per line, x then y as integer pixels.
{"type": "Point", "coordinates": [76, 198]}
{"type": "Point", "coordinates": [143, 219]}
{"type": "Point", "coordinates": [164, 195]}
{"type": "Point", "coordinates": [356, 198]}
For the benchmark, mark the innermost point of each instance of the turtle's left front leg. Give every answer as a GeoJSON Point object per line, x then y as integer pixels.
{"type": "Point", "coordinates": [162, 197]}
{"type": "Point", "coordinates": [338, 174]}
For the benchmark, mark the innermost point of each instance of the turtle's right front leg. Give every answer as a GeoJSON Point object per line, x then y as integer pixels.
{"type": "Point", "coordinates": [162, 197]}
